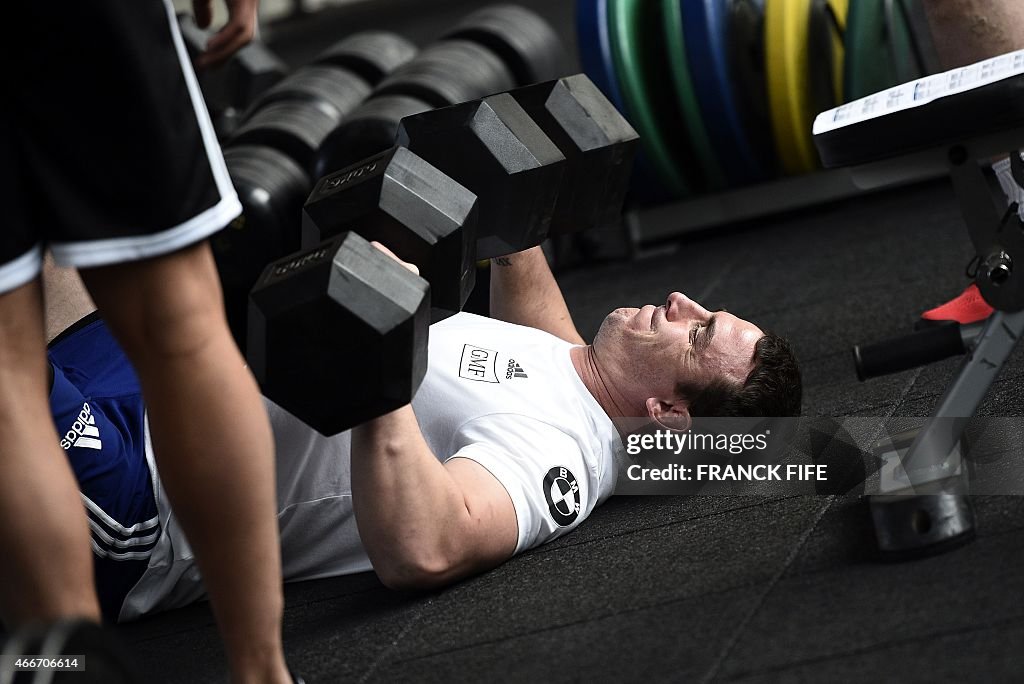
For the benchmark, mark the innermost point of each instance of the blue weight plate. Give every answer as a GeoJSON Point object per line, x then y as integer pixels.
{"type": "Point", "coordinates": [749, 80]}
{"type": "Point", "coordinates": [595, 50]}
{"type": "Point", "coordinates": [706, 28]}
{"type": "Point", "coordinates": [689, 109]}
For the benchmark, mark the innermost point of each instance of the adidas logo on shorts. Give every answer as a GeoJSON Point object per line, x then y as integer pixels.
{"type": "Point", "coordinates": [83, 432]}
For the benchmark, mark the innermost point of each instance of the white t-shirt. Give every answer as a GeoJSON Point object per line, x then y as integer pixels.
{"type": "Point", "coordinates": [504, 395]}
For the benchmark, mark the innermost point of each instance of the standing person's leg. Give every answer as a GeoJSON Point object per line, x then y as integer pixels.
{"type": "Point", "coordinates": [47, 571]}
{"type": "Point", "coordinates": [211, 439]}
{"type": "Point", "coordinates": [141, 183]}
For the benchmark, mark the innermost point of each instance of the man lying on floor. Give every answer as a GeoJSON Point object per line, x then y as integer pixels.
{"type": "Point", "coordinates": [508, 444]}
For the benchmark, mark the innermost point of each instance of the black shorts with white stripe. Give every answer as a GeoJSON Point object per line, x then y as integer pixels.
{"type": "Point", "coordinates": [107, 153]}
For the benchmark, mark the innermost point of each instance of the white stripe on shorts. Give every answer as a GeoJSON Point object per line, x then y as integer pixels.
{"type": "Point", "coordinates": [217, 165]}
{"type": "Point", "coordinates": [16, 273]}
{"type": "Point", "coordinates": [114, 526]}
{"type": "Point", "coordinates": [114, 555]}
{"type": "Point", "coordinates": [99, 534]}
{"type": "Point", "coordinates": [92, 253]}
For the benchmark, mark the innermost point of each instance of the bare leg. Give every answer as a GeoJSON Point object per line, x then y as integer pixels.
{"type": "Point", "coordinates": [211, 438]}
{"type": "Point", "coordinates": [65, 297]}
{"type": "Point", "coordinates": [968, 31]}
{"type": "Point", "coordinates": [47, 569]}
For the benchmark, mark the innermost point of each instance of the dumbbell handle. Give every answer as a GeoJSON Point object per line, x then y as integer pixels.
{"type": "Point", "coordinates": [917, 349]}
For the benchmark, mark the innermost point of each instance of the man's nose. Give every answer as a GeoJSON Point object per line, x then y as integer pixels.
{"type": "Point", "coordinates": [683, 305]}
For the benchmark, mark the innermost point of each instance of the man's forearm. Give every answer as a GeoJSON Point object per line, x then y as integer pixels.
{"type": "Point", "coordinates": [524, 291]}
{"type": "Point", "coordinates": [416, 523]}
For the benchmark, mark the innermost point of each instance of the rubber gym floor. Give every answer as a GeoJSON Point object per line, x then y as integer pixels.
{"type": "Point", "coordinates": [709, 588]}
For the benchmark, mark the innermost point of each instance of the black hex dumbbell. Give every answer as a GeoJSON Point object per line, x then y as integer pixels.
{"type": "Point", "coordinates": [370, 54]}
{"type": "Point", "coordinates": [598, 144]}
{"type": "Point", "coordinates": [494, 148]}
{"type": "Point", "coordinates": [338, 333]}
{"type": "Point", "coordinates": [401, 201]}
{"type": "Point", "coordinates": [489, 51]}
{"type": "Point", "coordinates": [368, 130]}
{"type": "Point", "coordinates": [271, 188]}
{"type": "Point", "coordinates": [525, 42]}
{"type": "Point", "coordinates": [298, 113]}
{"type": "Point", "coordinates": [340, 317]}
{"type": "Point", "coordinates": [231, 88]}
{"type": "Point", "coordinates": [446, 73]}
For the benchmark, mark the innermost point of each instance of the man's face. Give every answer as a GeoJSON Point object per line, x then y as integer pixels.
{"type": "Point", "coordinates": [679, 341]}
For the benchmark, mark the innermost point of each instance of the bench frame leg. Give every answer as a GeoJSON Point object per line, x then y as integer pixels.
{"type": "Point", "coordinates": [928, 510]}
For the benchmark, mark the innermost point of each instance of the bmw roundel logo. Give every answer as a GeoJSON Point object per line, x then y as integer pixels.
{"type": "Point", "coordinates": [562, 492]}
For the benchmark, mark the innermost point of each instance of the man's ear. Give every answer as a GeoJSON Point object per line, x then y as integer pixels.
{"type": "Point", "coordinates": [671, 415]}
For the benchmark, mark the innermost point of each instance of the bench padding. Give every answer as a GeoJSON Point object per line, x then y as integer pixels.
{"type": "Point", "coordinates": [934, 111]}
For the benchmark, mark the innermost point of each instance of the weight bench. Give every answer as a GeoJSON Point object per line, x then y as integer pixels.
{"type": "Point", "coordinates": [954, 121]}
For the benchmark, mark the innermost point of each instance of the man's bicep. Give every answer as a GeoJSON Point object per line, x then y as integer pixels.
{"type": "Point", "coordinates": [492, 531]}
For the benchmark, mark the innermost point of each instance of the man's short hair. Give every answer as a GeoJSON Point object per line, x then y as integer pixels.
{"type": "Point", "coordinates": [772, 389]}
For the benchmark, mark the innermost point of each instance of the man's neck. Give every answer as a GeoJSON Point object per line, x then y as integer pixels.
{"type": "Point", "coordinates": [601, 387]}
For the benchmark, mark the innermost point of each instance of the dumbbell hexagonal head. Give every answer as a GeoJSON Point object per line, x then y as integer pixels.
{"type": "Point", "coordinates": [338, 333]}
{"type": "Point", "coordinates": [409, 206]}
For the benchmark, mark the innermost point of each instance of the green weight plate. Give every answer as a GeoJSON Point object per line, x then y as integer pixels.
{"type": "Point", "coordinates": [902, 49]}
{"type": "Point", "coordinates": [868, 67]}
{"type": "Point", "coordinates": [686, 96]}
{"type": "Point", "coordinates": [595, 49]}
{"type": "Point", "coordinates": [879, 49]}
{"type": "Point", "coordinates": [640, 65]}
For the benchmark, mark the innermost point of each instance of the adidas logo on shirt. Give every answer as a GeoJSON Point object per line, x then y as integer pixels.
{"type": "Point", "coordinates": [514, 370]}
{"type": "Point", "coordinates": [83, 432]}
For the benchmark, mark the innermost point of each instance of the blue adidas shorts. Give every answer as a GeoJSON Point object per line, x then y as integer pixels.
{"type": "Point", "coordinates": [97, 406]}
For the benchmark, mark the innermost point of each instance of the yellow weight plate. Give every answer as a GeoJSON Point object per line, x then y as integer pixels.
{"type": "Point", "coordinates": [790, 64]}
{"type": "Point", "coordinates": [785, 25]}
